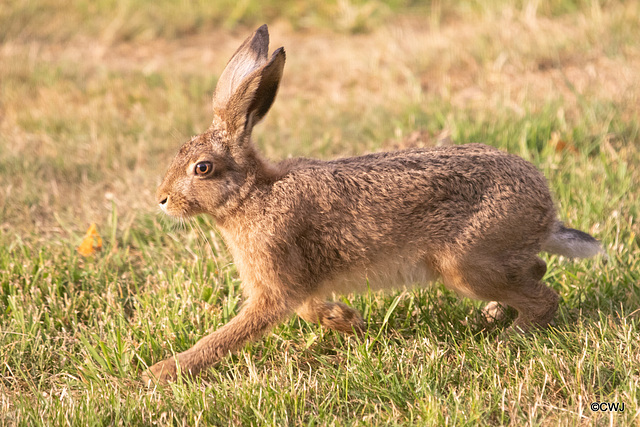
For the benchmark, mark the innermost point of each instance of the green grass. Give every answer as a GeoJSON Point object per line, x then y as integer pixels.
{"type": "Point", "coordinates": [85, 137]}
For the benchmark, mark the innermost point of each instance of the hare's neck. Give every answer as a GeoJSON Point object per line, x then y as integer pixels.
{"type": "Point", "coordinates": [260, 175]}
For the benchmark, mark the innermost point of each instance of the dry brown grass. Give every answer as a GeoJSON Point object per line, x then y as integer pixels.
{"type": "Point", "coordinates": [508, 59]}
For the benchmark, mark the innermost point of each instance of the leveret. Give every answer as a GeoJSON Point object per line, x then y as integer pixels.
{"type": "Point", "coordinates": [302, 229]}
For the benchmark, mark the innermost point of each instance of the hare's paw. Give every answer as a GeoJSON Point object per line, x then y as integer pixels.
{"type": "Point", "coordinates": [343, 318]}
{"type": "Point", "coordinates": [493, 312]}
{"type": "Point", "coordinates": [161, 373]}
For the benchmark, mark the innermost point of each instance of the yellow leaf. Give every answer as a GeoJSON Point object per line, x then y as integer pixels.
{"type": "Point", "coordinates": [91, 243]}
{"type": "Point", "coordinates": [559, 145]}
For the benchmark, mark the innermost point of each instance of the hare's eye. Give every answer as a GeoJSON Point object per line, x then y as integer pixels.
{"type": "Point", "coordinates": [203, 168]}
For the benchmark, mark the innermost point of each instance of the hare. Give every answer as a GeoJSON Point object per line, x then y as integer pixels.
{"type": "Point", "coordinates": [302, 229]}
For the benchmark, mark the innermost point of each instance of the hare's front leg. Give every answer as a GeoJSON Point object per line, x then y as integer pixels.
{"type": "Point", "coordinates": [256, 318]}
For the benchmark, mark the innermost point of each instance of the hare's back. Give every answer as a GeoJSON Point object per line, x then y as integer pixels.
{"type": "Point", "coordinates": [449, 171]}
{"type": "Point", "coordinates": [407, 191]}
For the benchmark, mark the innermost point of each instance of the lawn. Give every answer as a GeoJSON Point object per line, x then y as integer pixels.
{"type": "Point", "coordinates": [97, 96]}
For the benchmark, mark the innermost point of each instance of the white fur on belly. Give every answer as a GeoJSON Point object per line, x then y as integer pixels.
{"type": "Point", "coordinates": [386, 275]}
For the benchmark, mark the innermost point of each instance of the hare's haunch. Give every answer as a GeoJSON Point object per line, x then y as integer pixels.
{"type": "Point", "coordinates": [302, 229]}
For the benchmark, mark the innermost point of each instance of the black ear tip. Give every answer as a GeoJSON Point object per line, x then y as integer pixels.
{"type": "Point", "coordinates": [279, 55]}
{"type": "Point", "coordinates": [278, 58]}
{"type": "Point", "coordinates": [263, 29]}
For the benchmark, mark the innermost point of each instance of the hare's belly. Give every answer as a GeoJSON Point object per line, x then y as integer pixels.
{"type": "Point", "coordinates": [384, 275]}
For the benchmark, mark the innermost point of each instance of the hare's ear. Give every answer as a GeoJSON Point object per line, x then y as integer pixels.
{"type": "Point", "coordinates": [248, 85]}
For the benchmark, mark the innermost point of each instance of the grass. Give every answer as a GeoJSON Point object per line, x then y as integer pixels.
{"type": "Point", "coordinates": [93, 106]}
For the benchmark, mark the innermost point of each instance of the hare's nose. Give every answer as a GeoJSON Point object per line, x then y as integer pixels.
{"type": "Point", "coordinates": [163, 203]}
{"type": "Point", "coordinates": [162, 196]}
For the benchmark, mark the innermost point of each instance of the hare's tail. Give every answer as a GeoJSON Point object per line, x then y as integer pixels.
{"type": "Point", "coordinates": [571, 243]}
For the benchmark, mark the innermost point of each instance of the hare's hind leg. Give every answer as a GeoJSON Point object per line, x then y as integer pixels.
{"type": "Point", "coordinates": [332, 315]}
{"type": "Point", "coordinates": [515, 282]}
{"type": "Point", "coordinates": [257, 316]}
{"type": "Point", "coordinates": [536, 307]}
{"type": "Point", "coordinates": [536, 302]}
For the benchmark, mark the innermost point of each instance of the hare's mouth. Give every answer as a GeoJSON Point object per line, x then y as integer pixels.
{"type": "Point", "coordinates": [163, 208]}
{"type": "Point", "coordinates": [173, 214]}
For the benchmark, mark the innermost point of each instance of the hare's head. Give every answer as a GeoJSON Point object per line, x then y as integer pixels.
{"type": "Point", "coordinates": [214, 169]}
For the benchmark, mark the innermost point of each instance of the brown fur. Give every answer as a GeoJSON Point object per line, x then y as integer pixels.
{"type": "Point", "coordinates": [303, 229]}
